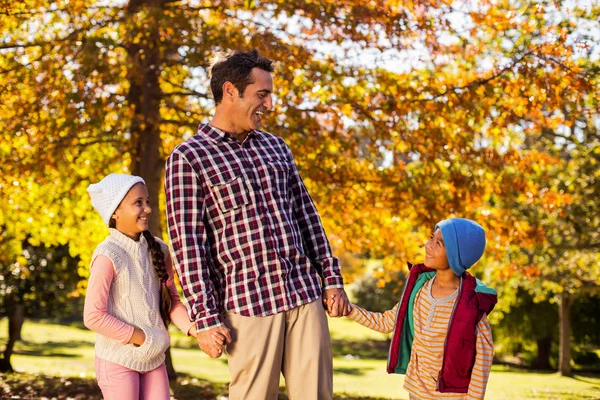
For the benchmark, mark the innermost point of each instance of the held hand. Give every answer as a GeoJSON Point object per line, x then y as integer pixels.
{"type": "Point", "coordinates": [346, 310]}
{"type": "Point", "coordinates": [213, 341]}
{"type": "Point", "coordinates": [337, 302]}
{"type": "Point", "coordinates": [219, 338]}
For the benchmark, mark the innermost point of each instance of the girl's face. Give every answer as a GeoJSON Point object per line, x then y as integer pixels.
{"type": "Point", "coordinates": [435, 252]}
{"type": "Point", "coordinates": [132, 215]}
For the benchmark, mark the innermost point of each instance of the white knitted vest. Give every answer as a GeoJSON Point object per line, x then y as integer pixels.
{"type": "Point", "coordinates": [134, 299]}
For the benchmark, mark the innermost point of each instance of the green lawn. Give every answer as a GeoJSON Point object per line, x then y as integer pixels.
{"type": "Point", "coordinates": [66, 352]}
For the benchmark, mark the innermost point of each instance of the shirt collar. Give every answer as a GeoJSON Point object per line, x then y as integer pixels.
{"type": "Point", "coordinates": [220, 135]}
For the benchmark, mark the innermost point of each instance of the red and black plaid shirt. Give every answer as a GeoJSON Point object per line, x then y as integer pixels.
{"type": "Point", "coordinates": [246, 235]}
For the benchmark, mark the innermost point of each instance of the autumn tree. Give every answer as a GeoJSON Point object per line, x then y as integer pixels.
{"type": "Point", "coordinates": [525, 323]}
{"type": "Point", "coordinates": [93, 87]}
{"type": "Point", "coordinates": [399, 114]}
{"type": "Point", "coordinates": [41, 282]}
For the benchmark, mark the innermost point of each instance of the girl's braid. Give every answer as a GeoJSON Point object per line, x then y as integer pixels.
{"type": "Point", "coordinates": [158, 261]}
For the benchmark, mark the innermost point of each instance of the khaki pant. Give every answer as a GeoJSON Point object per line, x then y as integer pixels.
{"type": "Point", "coordinates": [295, 342]}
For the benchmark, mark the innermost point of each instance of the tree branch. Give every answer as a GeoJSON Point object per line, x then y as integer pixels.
{"type": "Point", "coordinates": [179, 123]}
{"type": "Point", "coordinates": [182, 111]}
{"type": "Point", "coordinates": [584, 246]}
{"type": "Point", "coordinates": [50, 11]}
{"type": "Point", "coordinates": [171, 4]}
{"type": "Point", "coordinates": [19, 66]}
{"type": "Point", "coordinates": [67, 38]}
{"type": "Point", "coordinates": [552, 133]}
{"type": "Point", "coordinates": [480, 82]}
{"type": "Point", "coordinates": [189, 92]}
{"type": "Point", "coordinates": [83, 144]}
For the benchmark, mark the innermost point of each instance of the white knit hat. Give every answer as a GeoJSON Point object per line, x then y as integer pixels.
{"type": "Point", "coordinates": [109, 192]}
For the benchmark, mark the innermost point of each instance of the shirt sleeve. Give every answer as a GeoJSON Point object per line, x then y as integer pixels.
{"type": "Point", "coordinates": [484, 354]}
{"type": "Point", "coordinates": [95, 314]}
{"type": "Point", "coordinates": [315, 240]}
{"type": "Point", "coordinates": [379, 322]}
{"type": "Point", "coordinates": [178, 314]}
{"type": "Point", "coordinates": [187, 231]}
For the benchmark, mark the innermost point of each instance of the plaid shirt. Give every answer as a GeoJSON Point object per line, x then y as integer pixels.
{"type": "Point", "coordinates": [246, 235]}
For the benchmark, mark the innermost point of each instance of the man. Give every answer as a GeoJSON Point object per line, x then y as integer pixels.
{"type": "Point", "coordinates": [248, 243]}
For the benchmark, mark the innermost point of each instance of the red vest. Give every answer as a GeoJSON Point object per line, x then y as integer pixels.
{"type": "Point", "coordinates": [459, 348]}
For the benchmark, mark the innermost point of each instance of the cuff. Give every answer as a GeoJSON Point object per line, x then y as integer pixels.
{"type": "Point", "coordinates": [209, 322]}
{"type": "Point", "coordinates": [333, 282]}
{"type": "Point", "coordinates": [354, 313]}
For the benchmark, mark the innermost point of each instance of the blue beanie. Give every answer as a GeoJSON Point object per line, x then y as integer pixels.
{"type": "Point", "coordinates": [465, 242]}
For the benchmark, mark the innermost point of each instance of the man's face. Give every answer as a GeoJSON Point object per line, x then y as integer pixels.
{"type": "Point", "coordinates": [248, 109]}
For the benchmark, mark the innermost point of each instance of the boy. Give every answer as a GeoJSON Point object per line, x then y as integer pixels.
{"type": "Point", "coordinates": [442, 340]}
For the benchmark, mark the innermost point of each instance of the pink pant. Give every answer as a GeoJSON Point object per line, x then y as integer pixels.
{"type": "Point", "coordinates": [121, 383]}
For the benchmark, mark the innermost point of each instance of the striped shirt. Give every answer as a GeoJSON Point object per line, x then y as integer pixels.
{"type": "Point", "coordinates": [246, 236]}
{"type": "Point", "coordinates": [431, 318]}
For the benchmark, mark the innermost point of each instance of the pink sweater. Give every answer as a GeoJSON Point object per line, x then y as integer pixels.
{"type": "Point", "coordinates": [95, 314]}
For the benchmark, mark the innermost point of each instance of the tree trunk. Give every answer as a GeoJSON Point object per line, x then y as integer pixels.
{"type": "Point", "coordinates": [144, 66]}
{"type": "Point", "coordinates": [144, 98]}
{"type": "Point", "coordinates": [564, 354]}
{"type": "Point", "coordinates": [169, 364]}
{"type": "Point", "coordinates": [5, 365]}
{"type": "Point", "coordinates": [15, 323]}
{"type": "Point", "coordinates": [544, 346]}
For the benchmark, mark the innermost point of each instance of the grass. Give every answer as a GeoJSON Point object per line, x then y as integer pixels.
{"type": "Point", "coordinates": [508, 383]}
{"type": "Point", "coordinates": [60, 359]}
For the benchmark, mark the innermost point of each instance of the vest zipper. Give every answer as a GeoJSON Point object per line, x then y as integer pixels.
{"type": "Point", "coordinates": [437, 384]}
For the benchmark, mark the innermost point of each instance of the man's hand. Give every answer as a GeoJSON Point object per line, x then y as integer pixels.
{"type": "Point", "coordinates": [337, 302]}
{"type": "Point", "coordinates": [213, 341]}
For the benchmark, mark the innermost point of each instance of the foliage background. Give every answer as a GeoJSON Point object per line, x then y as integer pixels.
{"type": "Point", "coordinates": [399, 114]}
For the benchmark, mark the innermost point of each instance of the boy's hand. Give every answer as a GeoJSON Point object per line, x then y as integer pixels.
{"type": "Point", "coordinates": [337, 302]}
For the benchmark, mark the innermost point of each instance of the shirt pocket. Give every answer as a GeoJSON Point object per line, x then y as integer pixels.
{"type": "Point", "coordinates": [229, 190]}
{"type": "Point", "coordinates": [278, 173]}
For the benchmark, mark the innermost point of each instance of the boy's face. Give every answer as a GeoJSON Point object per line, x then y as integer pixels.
{"type": "Point", "coordinates": [435, 252]}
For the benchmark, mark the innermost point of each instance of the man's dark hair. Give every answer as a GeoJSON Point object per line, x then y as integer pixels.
{"type": "Point", "coordinates": [235, 67]}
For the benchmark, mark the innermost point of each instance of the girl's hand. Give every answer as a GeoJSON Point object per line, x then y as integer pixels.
{"type": "Point", "coordinates": [212, 341]}
{"type": "Point", "coordinates": [219, 338]}
{"type": "Point", "coordinates": [138, 338]}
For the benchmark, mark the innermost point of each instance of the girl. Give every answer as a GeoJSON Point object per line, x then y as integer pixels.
{"type": "Point", "coordinates": [131, 295]}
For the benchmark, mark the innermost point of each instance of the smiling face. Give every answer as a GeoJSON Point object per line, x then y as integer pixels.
{"type": "Point", "coordinates": [132, 215]}
{"type": "Point", "coordinates": [247, 108]}
{"type": "Point", "coordinates": [435, 252]}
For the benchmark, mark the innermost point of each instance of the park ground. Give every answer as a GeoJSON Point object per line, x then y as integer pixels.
{"type": "Point", "coordinates": [57, 362]}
